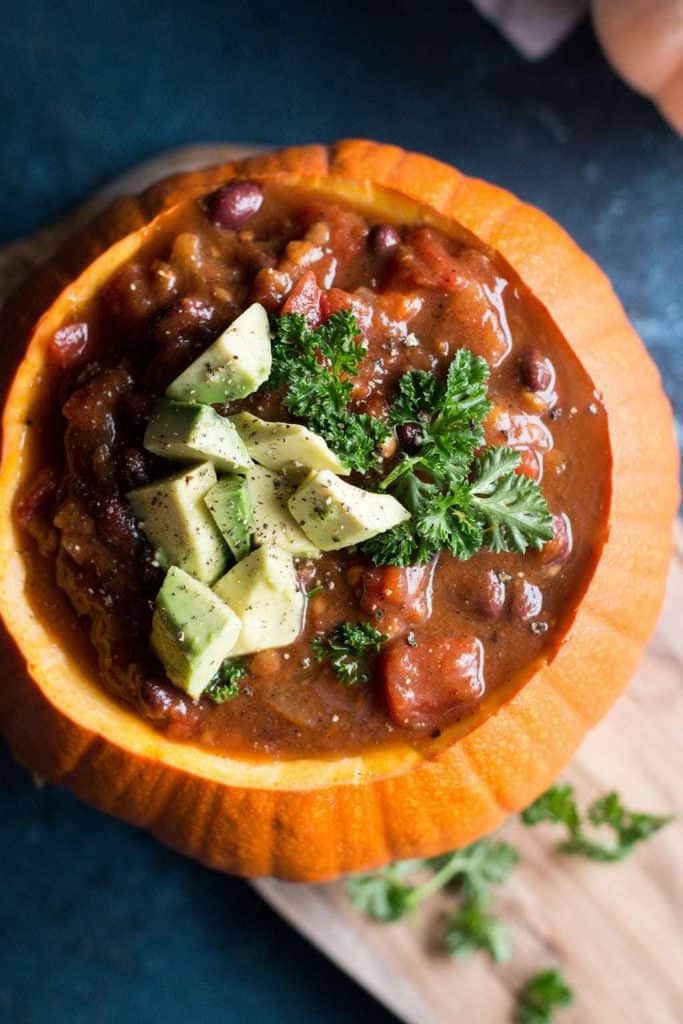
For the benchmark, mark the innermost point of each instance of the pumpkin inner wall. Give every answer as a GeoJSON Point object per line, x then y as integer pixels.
{"type": "Point", "coordinates": [152, 318]}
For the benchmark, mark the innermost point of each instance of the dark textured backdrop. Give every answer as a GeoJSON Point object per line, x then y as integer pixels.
{"type": "Point", "coordinates": [98, 923]}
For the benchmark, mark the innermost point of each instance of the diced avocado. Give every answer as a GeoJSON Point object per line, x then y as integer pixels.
{"type": "Point", "coordinates": [193, 631]}
{"type": "Point", "coordinates": [179, 526]}
{"type": "Point", "coordinates": [236, 364]}
{"type": "Point", "coordinates": [285, 445]}
{"type": "Point", "coordinates": [185, 431]}
{"type": "Point", "coordinates": [230, 505]}
{"type": "Point", "coordinates": [273, 522]}
{"type": "Point", "coordinates": [335, 514]}
{"type": "Point", "coordinates": [262, 589]}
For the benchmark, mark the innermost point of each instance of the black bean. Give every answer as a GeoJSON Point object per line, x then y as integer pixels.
{"type": "Point", "coordinates": [410, 437]}
{"type": "Point", "coordinates": [234, 204]}
{"type": "Point", "coordinates": [384, 239]}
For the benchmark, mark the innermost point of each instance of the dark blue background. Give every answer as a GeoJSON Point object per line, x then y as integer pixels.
{"type": "Point", "coordinates": [97, 922]}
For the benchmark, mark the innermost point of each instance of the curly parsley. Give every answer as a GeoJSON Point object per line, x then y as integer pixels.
{"type": "Point", "coordinates": [391, 893]}
{"type": "Point", "coordinates": [558, 806]}
{"type": "Point", "coordinates": [224, 685]}
{"type": "Point", "coordinates": [316, 367]}
{"type": "Point", "coordinates": [347, 648]}
{"type": "Point", "coordinates": [461, 495]}
{"type": "Point", "coordinates": [540, 995]}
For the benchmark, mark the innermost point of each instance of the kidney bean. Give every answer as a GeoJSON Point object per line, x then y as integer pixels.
{"type": "Point", "coordinates": [38, 500]}
{"type": "Point", "coordinates": [383, 239]}
{"type": "Point", "coordinates": [527, 600]}
{"type": "Point", "coordinates": [491, 599]}
{"type": "Point", "coordinates": [234, 204]}
{"type": "Point", "coordinates": [538, 373]}
{"type": "Point", "coordinates": [69, 344]}
{"type": "Point", "coordinates": [558, 550]}
{"type": "Point", "coordinates": [135, 467]}
{"type": "Point", "coordinates": [117, 524]}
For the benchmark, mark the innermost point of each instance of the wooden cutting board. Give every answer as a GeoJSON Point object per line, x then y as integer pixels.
{"type": "Point", "coordinates": [616, 930]}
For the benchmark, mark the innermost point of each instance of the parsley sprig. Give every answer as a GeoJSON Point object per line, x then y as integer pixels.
{"type": "Point", "coordinates": [540, 995]}
{"type": "Point", "coordinates": [558, 805]}
{"type": "Point", "coordinates": [316, 369]}
{"type": "Point", "coordinates": [398, 889]}
{"type": "Point", "coordinates": [347, 648]}
{"type": "Point", "coordinates": [460, 494]}
{"type": "Point", "coordinates": [391, 893]}
{"type": "Point", "coordinates": [225, 684]}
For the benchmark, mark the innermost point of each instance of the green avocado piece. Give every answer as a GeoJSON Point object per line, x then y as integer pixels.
{"type": "Point", "coordinates": [263, 590]}
{"type": "Point", "coordinates": [284, 446]}
{"type": "Point", "coordinates": [193, 631]}
{"type": "Point", "coordinates": [269, 493]}
{"type": "Point", "coordinates": [234, 366]}
{"type": "Point", "coordinates": [334, 514]}
{"type": "Point", "coordinates": [229, 503]}
{"type": "Point", "coordinates": [179, 526]}
{"type": "Point", "coordinates": [186, 432]}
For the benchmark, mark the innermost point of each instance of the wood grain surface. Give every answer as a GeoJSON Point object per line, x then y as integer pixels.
{"type": "Point", "coordinates": [616, 930]}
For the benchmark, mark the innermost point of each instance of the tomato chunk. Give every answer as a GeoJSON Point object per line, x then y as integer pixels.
{"type": "Point", "coordinates": [304, 299]}
{"type": "Point", "coordinates": [397, 598]}
{"type": "Point", "coordinates": [425, 682]}
{"type": "Point", "coordinates": [336, 299]}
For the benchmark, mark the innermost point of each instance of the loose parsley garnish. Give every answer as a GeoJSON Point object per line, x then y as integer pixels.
{"type": "Point", "coordinates": [316, 367]}
{"type": "Point", "coordinates": [346, 649]}
{"type": "Point", "coordinates": [461, 495]}
{"type": "Point", "coordinates": [539, 996]}
{"type": "Point", "coordinates": [224, 685]}
{"type": "Point", "coordinates": [558, 806]}
{"type": "Point", "coordinates": [389, 894]}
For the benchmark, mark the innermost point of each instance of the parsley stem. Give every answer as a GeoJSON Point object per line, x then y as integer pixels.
{"type": "Point", "coordinates": [399, 470]}
{"type": "Point", "coordinates": [453, 866]}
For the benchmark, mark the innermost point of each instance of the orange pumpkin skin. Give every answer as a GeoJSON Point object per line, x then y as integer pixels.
{"type": "Point", "coordinates": [311, 819]}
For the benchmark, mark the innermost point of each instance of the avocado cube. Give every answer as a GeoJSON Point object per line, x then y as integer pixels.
{"type": "Point", "coordinates": [193, 631]}
{"type": "Point", "coordinates": [172, 514]}
{"type": "Point", "coordinates": [188, 432]}
{"type": "Point", "coordinates": [334, 514]}
{"type": "Point", "coordinates": [229, 503]}
{"type": "Point", "coordinates": [234, 366]}
{"type": "Point", "coordinates": [269, 493]}
{"type": "Point", "coordinates": [263, 590]}
{"type": "Point", "coordinates": [285, 446]}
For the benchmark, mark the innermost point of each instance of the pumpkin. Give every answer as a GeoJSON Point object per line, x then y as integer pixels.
{"type": "Point", "coordinates": [643, 39]}
{"type": "Point", "coordinates": [315, 818]}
